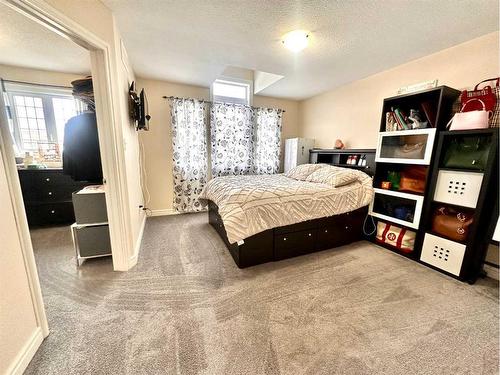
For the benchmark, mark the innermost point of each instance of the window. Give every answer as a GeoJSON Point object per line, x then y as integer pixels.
{"type": "Point", "coordinates": [37, 116]}
{"type": "Point", "coordinates": [231, 92]}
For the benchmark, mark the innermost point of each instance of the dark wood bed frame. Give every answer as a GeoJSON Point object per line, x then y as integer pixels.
{"type": "Point", "coordinates": [292, 240]}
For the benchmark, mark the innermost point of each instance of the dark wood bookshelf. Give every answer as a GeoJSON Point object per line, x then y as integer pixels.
{"type": "Point", "coordinates": [440, 100]}
{"type": "Point", "coordinates": [338, 157]}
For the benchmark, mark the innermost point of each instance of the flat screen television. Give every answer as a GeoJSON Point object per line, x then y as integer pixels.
{"type": "Point", "coordinates": [139, 112]}
{"type": "Point", "coordinates": [144, 117]}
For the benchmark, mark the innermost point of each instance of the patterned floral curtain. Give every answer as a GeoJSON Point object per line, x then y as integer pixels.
{"type": "Point", "coordinates": [232, 139]}
{"type": "Point", "coordinates": [190, 158]}
{"type": "Point", "coordinates": [267, 140]}
{"type": "Point", "coordinates": [243, 140]}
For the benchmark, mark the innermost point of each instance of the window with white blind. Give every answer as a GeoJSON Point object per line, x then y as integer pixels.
{"type": "Point", "coordinates": [226, 91]}
{"type": "Point", "coordinates": [37, 116]}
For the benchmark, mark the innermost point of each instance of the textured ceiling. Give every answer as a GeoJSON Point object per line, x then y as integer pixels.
{"type": "Point", "coordinates": [25, 43]}
{"type": "Point", "coordinates": [192, 41]}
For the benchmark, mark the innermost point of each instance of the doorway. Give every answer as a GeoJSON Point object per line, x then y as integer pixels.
{"type": "Point", "coordinates": [100, 52]}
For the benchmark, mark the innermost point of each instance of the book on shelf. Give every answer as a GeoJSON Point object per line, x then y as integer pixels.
{"type": "Point", "coordinates": [401, 119]}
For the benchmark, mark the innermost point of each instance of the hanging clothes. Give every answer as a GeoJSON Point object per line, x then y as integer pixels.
{"type": "Point", "coordinates": [81, 154]}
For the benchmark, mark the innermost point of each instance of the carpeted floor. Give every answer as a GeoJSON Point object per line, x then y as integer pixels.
{"type": "Point", "coordinates": [187, 309]}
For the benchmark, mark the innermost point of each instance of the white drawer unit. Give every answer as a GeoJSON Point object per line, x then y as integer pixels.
{"type": "Point", "coordinates": [442, 253]}
{"type": "Point", "coordinates": [461, 188]}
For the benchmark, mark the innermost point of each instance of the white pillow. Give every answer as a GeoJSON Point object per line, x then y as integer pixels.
{"type": "Point", "coordinates": [334, 176]}
{"type": "Point", "coordinates": [301, 172]}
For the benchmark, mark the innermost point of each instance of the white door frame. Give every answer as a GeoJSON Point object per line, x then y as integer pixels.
{"type": "Point", "coordinates": [110, 141]}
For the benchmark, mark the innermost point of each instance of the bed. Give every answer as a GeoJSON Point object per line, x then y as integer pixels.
{"type": "Point", "coordinates": [272, 217]}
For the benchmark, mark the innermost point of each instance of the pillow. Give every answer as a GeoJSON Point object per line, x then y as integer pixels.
{"type": "Point", "coordinates": [301, 172]}
{"type": "Point", "coordinates": [334, 176]}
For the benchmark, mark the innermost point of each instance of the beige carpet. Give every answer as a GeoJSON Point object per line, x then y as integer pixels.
{"type": "Point", "coordinates": [187, 309]}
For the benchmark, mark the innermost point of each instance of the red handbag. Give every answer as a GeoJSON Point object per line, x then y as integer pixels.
{"type": "Point", "coordinates": [486, 95]}
{"type": "Point", "coordinates": [400, 238]}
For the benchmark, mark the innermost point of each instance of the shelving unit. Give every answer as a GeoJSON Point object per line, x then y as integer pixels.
{"type": "Point", "coordinates": [469, 191]}
{"type": "Point", "coordinates": [339, 158]}
{"type": "Point", "coordinates": [409, 151]}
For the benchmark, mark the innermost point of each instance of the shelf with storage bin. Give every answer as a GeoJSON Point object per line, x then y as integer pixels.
{"type": "Point", "coordinates": [453, 185]}
{"type": "Point", "coordinates": [410, 178]}
{"type": "Point", "coordinates": [408, 248]}
{"type": "Point", "coordinates": [406, 146]}
{"type": "Point", "coordinates": [464, 182]}
{"type": "Point", "coordinates": [404, 161]}
{"type": "Point", "coordinates": [397, 207]}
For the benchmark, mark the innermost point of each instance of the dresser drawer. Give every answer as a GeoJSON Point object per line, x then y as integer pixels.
{"type": "Point", "coordinates": [292, 244]}
{"type": "Point", "coordinates": [47, 186]}
{"type": "Point", "coordinates": [51, 194]}
{"type": "Point", "coordinates": [51, 178]}
{"type": "Point", "coordinates": [50, 213]}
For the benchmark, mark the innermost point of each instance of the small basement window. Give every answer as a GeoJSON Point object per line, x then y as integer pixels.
{"type": "Point", "coordinates": [231, 92]}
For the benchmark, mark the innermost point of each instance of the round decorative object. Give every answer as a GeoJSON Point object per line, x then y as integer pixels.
{"type": "Point", "coordinates": [339, 144]}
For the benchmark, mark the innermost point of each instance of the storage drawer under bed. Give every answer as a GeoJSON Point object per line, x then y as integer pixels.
{"type": "Point", "coordinates": [292, 244]}
{"type": "Point", "coordinates": [292, 240]}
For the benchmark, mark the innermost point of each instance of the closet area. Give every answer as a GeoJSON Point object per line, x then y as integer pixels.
{"type": "Point", "coordinates": [53, 128]}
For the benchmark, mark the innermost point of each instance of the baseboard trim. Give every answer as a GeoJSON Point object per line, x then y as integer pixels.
{"type": "Point", "coordinates": [491, 271]}
{"type": "Point", "coordinates": [133, 259]}
{"type": "Point", "coordinates": [23, 358]}
{"type": "Point", "coordinates": [163, 212]}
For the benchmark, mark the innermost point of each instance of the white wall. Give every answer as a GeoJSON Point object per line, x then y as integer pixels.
{"type": "Point", "coordinates": [18, 325]}
{"type": "Point", "coordinates": [353, 112]}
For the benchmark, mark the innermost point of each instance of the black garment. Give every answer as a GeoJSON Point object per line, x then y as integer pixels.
{"type": "Point", "coordinates": [81, 154]}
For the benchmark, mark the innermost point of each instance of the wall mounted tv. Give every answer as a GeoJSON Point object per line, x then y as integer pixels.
{"type": "Point", "coordinates": [139, 111]}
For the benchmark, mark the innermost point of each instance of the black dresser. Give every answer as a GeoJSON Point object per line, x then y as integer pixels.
{"type": "Point", "coordinates": [47, 196]}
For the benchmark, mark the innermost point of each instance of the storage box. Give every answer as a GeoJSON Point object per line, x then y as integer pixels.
{"type": "Point", "coordinates": [443, 253]}
{"type": "Point", "coordinates": [461, 188]}
{"type": "Point", "coordinates": [90, 205]}
{"type": "Point", "coordinates": [91, 241]}
{"type": "Point", "coordinates": [389, 205]}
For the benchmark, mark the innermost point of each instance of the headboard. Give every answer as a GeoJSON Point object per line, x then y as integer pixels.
{"type": "Point", "coordinates": [340, 157]}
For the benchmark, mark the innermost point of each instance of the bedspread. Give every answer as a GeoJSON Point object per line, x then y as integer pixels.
{"type": "Point", "coordinates": [252, 204]}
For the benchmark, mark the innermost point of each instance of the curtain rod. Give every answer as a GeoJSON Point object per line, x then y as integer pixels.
{"type": "Point", "coordinates": [36, 84]}
{"type": "Point", "coordinates": [211, 102]}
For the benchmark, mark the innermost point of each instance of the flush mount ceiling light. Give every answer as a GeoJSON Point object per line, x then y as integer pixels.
{"type": "Point", "coordinates": [296, 40]}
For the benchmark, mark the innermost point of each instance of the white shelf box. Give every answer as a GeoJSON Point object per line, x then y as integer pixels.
{"type": "Point", "coordinates": [406, 146]}
{"type": "Point", "coordinates": [460, 188]}
{"type": "Point", "coordinates": [443, 253]}
{"type": "Point", "coordinates": [397, 207]}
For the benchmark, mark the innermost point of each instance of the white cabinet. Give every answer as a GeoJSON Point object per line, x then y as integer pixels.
{"type": "Point", "coordinates": [297, 152]}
